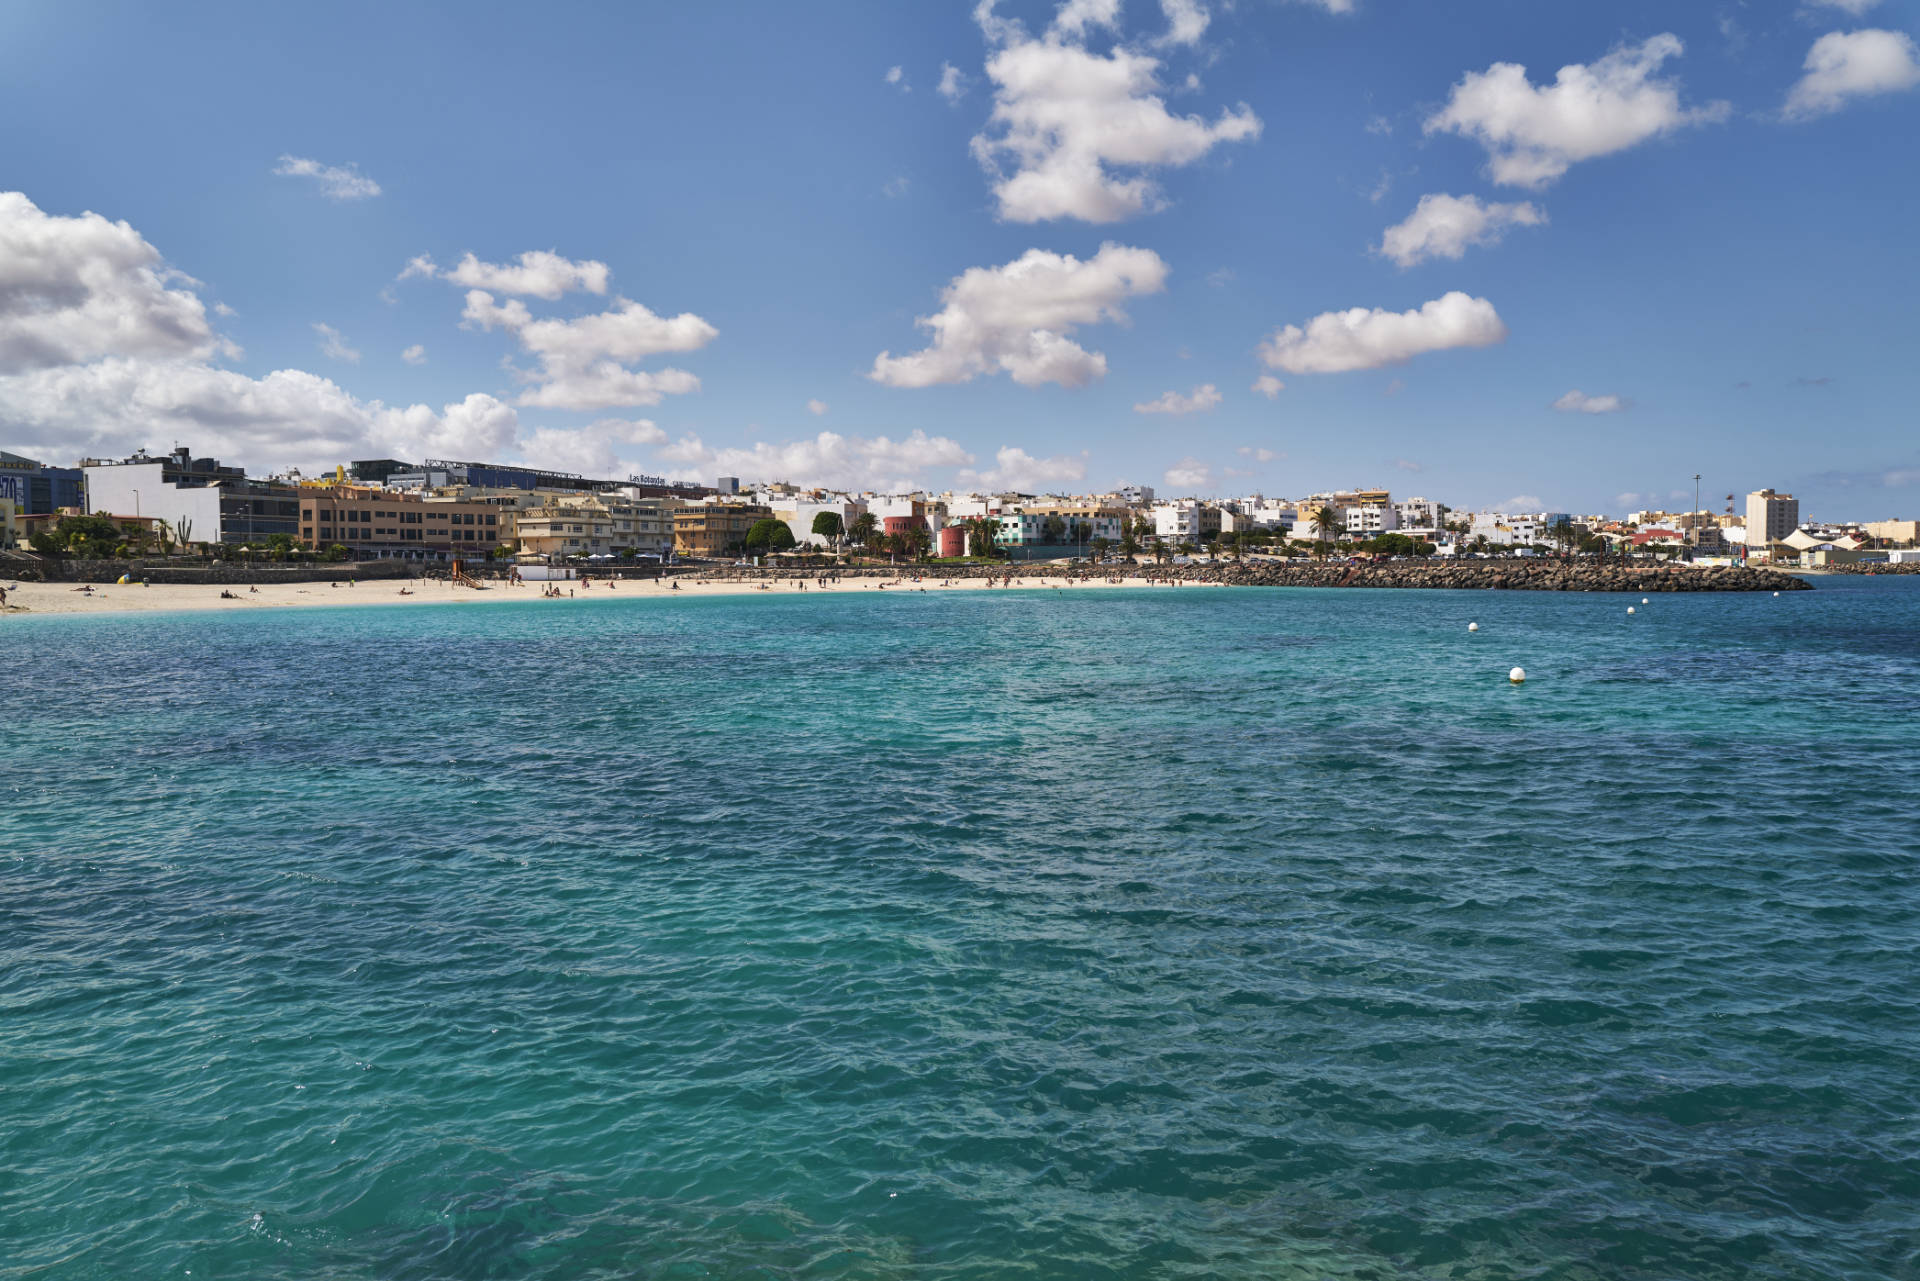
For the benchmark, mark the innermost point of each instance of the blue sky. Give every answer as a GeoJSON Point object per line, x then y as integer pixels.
{"type": "Point", "coordinates": [1701, 231]}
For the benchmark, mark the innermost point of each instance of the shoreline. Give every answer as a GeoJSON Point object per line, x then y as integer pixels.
{"type": "Point", "coordinates": [68, 599]}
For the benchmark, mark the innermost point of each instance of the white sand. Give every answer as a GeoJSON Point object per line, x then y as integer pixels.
{"type": "Point", "coordinates": [66, 598]}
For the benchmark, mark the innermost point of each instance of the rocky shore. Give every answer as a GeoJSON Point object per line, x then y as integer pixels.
{"type": "Point", "coordinates": [1519, 576]}
{"type": "Point", "coordinates": [1864, 568]}
{"type": "Point", "coordinates": [1498, 575]}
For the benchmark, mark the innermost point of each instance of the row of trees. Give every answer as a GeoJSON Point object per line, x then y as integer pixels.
{"type": "Point", "coordinates": [105, 538]}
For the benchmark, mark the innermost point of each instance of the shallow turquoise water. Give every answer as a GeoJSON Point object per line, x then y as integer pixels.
{"type": "Point", "coordinates": [1160, 933]}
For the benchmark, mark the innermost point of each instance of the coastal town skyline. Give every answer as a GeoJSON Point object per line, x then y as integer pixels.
{"type": "Point", "coordinates": [1533, 264]}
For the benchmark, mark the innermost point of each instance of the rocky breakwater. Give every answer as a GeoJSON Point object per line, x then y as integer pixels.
{"type": "Point", "coordinates": [1875, 568]}
{"type": "Point", "coordinates": [1502, 575]}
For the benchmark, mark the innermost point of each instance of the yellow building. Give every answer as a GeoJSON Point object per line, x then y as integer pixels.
{"type": "Point", "coordinates": [714, 529]}
{"type": "Point", "coordinates": [9, 533]}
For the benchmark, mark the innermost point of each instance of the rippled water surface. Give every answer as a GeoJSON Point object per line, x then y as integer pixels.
{"type": "Point", "coordinates": [1157, 933]}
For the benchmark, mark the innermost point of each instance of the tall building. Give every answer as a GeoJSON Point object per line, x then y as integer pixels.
{"type": "Point", "coordinates": [1770, 518]}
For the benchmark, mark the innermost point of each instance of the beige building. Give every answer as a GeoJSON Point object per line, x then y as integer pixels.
{"type": "Point", "coordinates": [714, 529]}
{"type": "Point", "coordinates": [597, 525]}
{"type": "Point", "coordinates": [1903, 532]}
{"type": "Point", "coordinates": [9, 532]}
{"type": "Point", "coordinates": [380, 524]}
{"type": "Point", "coordinates": [1770, 518]}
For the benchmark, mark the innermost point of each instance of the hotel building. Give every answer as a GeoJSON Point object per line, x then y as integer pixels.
{"type": "Point", "coordinates": [376, 524]}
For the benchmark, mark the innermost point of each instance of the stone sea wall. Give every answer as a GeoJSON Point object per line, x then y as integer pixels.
{"type": "Point", "coordinates": [70, 569]}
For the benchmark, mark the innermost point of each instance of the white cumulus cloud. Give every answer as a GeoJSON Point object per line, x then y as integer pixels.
{"type": "Point", "coordinates": [816, 407]}
{"type": "Point", "coordinates": [1074, 17]}
{"type": "Point", "coordinates": [476, 427]}
{"type": "Point", "coordinates": [593, 450]}
{"type": "Point", "coordinates": [1269, 386]}
{"type": "Point", "coordinates": [1854, 7]}
{"type": "Point", "coordinates": [337, 182]}
{"type": "Point", "coordinates": [897, 77]}
{"type": "Point", "coordinates": [540, 273]}
{"type": "Point", "coordinates": [102, 351]}
{"type": "Point", "coordinates": [73, 289]}
{"type": "Point", "coordinates": [1338, 341]}
{"type": "Point", "coordinates": [288, 417]}
{"type": "Point", "coordinates": [583, 361]}
{"type": "Point", "coordinates": [1016, 319]}
{"type": "Point", "coordinates": [1257, 453]}
{"type": "Point", "coordinates": [1015, 469]}
{"type": "Point", "coordinates": [1073, 133]}
{"type": "Point", "coordinates": [1189, 475]}
{"type": "Point", "coordinates": [953, 83]}
{"type": "Point", "coordinates": [846, 462]}
{"type": "Point", "coordinates": [1534, 134]}
{"type": "Point", "coordinates": [415, 355]}
{"type": "Point", "coordinates": [1444, 226]}
{"type": "Point", "coordinates": [333, 346]}
{"type": "Point", "coordinates": [1186, 20]}
{"type": "Point", "coordinates": [1199, 401]}
{"type": "Point", "coordinates": [1853, 64]}
{"type": "Point", "coordinates": [1578, 402]}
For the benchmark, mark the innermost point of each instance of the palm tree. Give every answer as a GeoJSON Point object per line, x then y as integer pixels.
{"type": "Point", "coordinates": [1325, 521]}
{"type": "Point", "coordinates": [863, 527]}
{"type": "Point", "coordinates": [980, 533]}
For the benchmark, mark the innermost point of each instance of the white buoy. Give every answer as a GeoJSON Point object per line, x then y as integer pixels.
{"type": "Point", "coordinates": [1518, 675]}
{"type": "Point", "coordinates": [1629, 609]}
{"type": "Point", "coordinates": [1643, 600]}
{"type": "Point", "coordinates": [1473, 627]}
{"type": "Point", "coordinates": [1776, 593]}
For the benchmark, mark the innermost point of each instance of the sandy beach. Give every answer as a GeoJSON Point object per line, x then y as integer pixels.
{"type": "Point", "coordinates": [68, 598]}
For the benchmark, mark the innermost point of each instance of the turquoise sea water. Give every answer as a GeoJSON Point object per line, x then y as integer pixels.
{"type": "Point", "coordinates": [1156, 933]}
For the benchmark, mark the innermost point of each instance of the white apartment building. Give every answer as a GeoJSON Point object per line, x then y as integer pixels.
{"type": "Point", "coordinates": [1085, 521]}
{"type": "Point", "coordinates": [140, 489]}
{"type": "Point", "coordinates": [967, 506]}
{"type": "Point", "coordinates": [1178, 522]}
{"type": "Point", "coordinates": [1370, 519]}
{"type": "Point", "coordinates": [1419, 513]}
{"type": "Point", "coordinates": [933, 511]}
